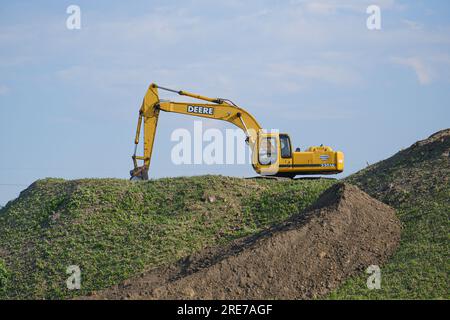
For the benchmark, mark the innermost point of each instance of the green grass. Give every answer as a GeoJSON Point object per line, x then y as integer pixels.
{"type": "Point", "coordinates": [420, 267]}
{"type": "Point", "coordinates": [114, 229]}
{"type": "Point", "coordinates": [3, 276]}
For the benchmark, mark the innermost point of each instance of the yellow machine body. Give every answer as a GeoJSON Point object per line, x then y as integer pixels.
{"type": "Point", "coordinates": [282, 160]}
{"type": "Point", "coordinates": [272, 153]}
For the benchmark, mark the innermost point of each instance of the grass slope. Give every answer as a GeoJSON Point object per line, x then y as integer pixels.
{"type": "Point", "coordinates": [113, 229]}
{"type": "Point", "coordinates": [415, 181]}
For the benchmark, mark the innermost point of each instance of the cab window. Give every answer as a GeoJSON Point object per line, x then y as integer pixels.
{"type": "Point", "coordinates": [285, 145]}
{"type": "Point", "coordinates": [268, 152]}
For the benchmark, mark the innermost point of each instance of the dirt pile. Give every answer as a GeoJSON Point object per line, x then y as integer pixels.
{"type": "Point", "coordinates": [420, 171]}
{"type": "Point", "coordinates": [307, 256]}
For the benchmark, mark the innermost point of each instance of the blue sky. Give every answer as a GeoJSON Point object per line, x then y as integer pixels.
{"type": "Point", "coordinates": [69, 98]}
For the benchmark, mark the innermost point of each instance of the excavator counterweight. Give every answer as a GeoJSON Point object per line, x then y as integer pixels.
{"type": "Point", "coordinates": [272, 153]}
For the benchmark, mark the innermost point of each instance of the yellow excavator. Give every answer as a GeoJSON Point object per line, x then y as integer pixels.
{"type": "Point", "coordinates": [272, 153]}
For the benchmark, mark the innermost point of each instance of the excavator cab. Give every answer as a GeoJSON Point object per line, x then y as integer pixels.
{"type": "Point", "coordinates": [274, 156]}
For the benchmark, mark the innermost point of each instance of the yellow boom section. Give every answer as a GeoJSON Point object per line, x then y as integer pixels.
{"type": "Point", "coordinates": [219, 109]}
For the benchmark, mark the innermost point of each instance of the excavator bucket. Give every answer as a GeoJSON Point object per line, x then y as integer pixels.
{"type": "Point", "coordinates": [139, 173]}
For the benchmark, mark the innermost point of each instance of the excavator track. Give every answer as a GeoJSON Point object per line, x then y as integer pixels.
{"type": "Point", "coordinates": [289, 179]}
{"type": "Point", "coordinates": [270, 178]}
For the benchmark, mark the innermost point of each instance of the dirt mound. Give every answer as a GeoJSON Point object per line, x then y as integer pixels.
{"type": "Point", "coordinates": [420, 171]}
{"type": "Point", "coordinates": [438, 136]}
{"type": "Point", "coordinates": [307, 256]}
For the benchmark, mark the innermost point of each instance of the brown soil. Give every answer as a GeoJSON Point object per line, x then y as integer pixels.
{"type": "Point", "coordinates": [309, 255]}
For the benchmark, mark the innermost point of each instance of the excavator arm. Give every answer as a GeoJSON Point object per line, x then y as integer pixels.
{"type": "Point", "coordinates": [216, 108]}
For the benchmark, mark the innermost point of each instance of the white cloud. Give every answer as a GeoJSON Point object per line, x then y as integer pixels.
{"type": "Point", "coordinates": [4, 90]}
{"type": "Point", "coordinates": [326, 7]}
{"type": "Point", "coordinates": [303, 73]}
{"type": "Point", "coordinates": [412, 24]}
{"type": "Point", "coordinates": [442, 58]}
{"type": "Point", "coordinates": [321, 7]}
{"type": "Point", "coordinates": [423, 72]}
{"type": "Point", "coordinates": [315, 113]}
{"type": "Point", "coordinates": [181, 47]}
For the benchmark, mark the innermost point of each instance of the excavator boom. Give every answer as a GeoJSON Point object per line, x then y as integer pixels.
{"type": "Point", "coordinates": [275, 147]}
